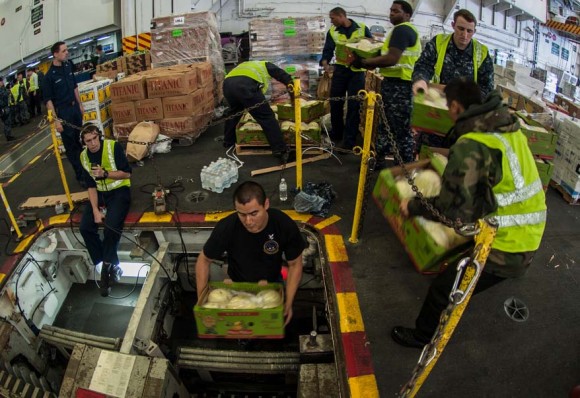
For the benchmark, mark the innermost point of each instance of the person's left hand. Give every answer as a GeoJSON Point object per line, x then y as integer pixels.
{"type": "Point", "coordinates": [354, 60]}
{"type": "Point", "coordinates": [404, 207]}
{"type": "Point", "coordinates": [287, 313]}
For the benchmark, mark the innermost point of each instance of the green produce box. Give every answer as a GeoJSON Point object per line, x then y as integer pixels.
{"type": "Point", "coordinates": [341, 53]}
{"type": "Point", "coordinates": [542, 142]}
{"type": "Point", "coordinates": [308, 113]}
{"type": "Point", "coordinates": [257, 137]}
{"type": "Point", "coordinates": [437, 164]}
{"type": "Point", "coordinates": [545, 169]}
{"type": "Point", "coordinates": [430, 118]}
{"type": "Point", "coordinates": [426, 255]}
{"type": "Point", "coordinates": [255, 323]}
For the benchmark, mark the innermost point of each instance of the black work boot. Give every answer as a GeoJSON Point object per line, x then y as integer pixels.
{"type": "Point", "coordinates": [104, 284]}
{"type": "Point", "coordinates": [407, 337]}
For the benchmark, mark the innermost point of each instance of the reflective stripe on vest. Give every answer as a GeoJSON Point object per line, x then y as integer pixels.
{"type": "Point", "coordinates": [255, 70]}
{"type": "Point", "coordinates": [521, 212]}
{"type": "Point", "coordinates": [404, 68]}
{"type": "Point", "coordinates": [107, 163]}
{"type": "Point", "coordinates": [355, 37]}
{"type": "Point", "coordinates": [442, 42]}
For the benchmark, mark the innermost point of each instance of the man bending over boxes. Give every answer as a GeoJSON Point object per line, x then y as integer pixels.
{"type": "Point", "coordinates": [257, 240]}
{"type": "Point", "coordinates": [245, 87]}
{"type": "Point", "coordinates": [491, 172]}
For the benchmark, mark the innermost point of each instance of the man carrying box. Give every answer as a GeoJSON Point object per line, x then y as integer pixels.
{"type": "Point", "coordinates": [244, 87]}
{"type": "Point", "coordinates": [398, 56]}
{"type": "Point", "coordinates": [491, 172]}
{"type": "Point", "coordinates": [257, 239]}
{"type": "Point", "coordinates": [345, 79]}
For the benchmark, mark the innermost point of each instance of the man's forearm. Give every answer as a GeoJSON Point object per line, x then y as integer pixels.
{"type": "Point", "coordinates": [293, 280]}
{"type": "Point", "coordinates": [201, 273]}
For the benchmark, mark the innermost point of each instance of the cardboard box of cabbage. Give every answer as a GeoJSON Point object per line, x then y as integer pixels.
{"type": "Point", "coordinates": [430, 245]}
{"type": "Point", "coordinates": [430, 113]}
{"type": "Point", "coordinates": [241, 310]}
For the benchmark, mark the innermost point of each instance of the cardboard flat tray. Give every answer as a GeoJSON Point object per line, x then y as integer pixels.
{"type": "Point", "coordinates": [49, 201]}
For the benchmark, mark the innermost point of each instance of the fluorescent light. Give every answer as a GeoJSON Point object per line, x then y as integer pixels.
{"type": "Point", "coordinates": [51, 57]}
{"type": "Point", "coordinates": [32, 64]}
{"type": "Point", "coordinates": [86, 41]}
{"type": "Point", "coordinates": [103, 38]}
{"type": "Point", "coordinates": [11, 73]}
{"type": "Point", "coordinates": [130, 269]}
{"type": "Point", "coordinates": [72, 48]}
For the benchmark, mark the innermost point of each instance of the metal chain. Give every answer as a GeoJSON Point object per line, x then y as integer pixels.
{"type": "Point", "coordinates": [458, 225]}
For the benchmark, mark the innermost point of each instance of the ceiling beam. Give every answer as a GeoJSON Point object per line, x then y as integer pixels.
{"type": "Point", "coordinates": [489, 3]}
{"type": "Point", "coordinates": [514, 12]}
{"type": "Point", "coordinates": [524, 17]}
{"type": "Point", "coordinates": [449, 8]}
{"type": "Point", "coordinates": [502, 7]}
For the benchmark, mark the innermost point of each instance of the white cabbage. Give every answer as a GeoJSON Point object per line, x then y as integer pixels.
{"type": "Point", "coordinates": [442, 158]}
{"type": "Point", "coordinates": [405, 190]}
{"type": "Point", "coordinates": [210, 304]}
{"type": "Point", "coordinates": [219, 296]}
{"type": "Point", "coordinates": [436, 231]}
{"type": "Point", "coordinates": [428, 182]}
{"type": "Point", "coordinates": [270, 298]}
{"type": "Point", "coordinates": [241, 302]}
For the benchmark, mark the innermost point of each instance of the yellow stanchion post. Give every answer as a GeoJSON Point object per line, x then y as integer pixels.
{"type": "Point", "coordinates": [9, 211]}
{"type": "Point", "coordinates": [50, 118]}
{"type": "Point", "coordinates": [451, 317]}
{"type": "Point", "coordinates": [371, 98]}
{"type": "Point", "coordinates": [298, 128]}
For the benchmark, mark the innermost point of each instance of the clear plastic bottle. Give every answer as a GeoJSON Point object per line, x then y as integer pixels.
{"type": "Point", "coordinates": [283, 190]}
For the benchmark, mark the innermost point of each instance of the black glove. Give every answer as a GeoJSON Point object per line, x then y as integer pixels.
{"type": "Point", "coordinates": [357, 62]}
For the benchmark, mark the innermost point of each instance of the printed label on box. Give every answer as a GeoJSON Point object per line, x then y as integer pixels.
{"type": "Point", "coordinates": [178, 20]}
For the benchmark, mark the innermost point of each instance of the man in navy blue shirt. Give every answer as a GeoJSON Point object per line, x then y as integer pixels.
{"type": "Point", "coordinates": [345, 79]}
{"type": "Point", "coordinates": [61, 95]}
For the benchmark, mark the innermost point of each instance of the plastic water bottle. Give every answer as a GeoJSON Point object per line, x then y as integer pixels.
{"type": "Point", "coordinates": [283, 190]}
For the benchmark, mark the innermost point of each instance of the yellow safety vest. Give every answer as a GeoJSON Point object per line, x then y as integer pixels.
{"type": "Point", "coordinates": [521, 212]}
{"type": "Point", "coordinates": [404, 68]}
{"type": "Point", "coordinates": [442, 41]}
{"type": "Point", "coordinates": [107, 163]}
{"type": "Point", "coordinates": [340, 40]}
{"type": "Point", "coordinates": [255, 70]}
{"type": "Point", "coordinates": [33, 83]}
{"type": "Point", "coordinates": [15, 90]}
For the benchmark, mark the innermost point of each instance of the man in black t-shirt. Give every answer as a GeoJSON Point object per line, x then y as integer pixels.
{"type": "Point", "coordinates": [257, 240]}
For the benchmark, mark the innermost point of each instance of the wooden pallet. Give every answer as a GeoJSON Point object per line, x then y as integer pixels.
{"type": "Point", "coordinates": [243, 150]}
{"type": "Point", "coordinates": [567, 197]}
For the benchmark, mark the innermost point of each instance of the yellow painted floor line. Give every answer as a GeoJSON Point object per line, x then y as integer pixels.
{"type": "Point", "coordinates": [349, 313]}
{"type": "Point", "coordinates": [327, 222]}
{"type": "Point", "coordinates": [335, 248]}
{"type": "Point", "coordinates": [363, 387]}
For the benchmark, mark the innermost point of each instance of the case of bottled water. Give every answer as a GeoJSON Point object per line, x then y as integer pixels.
{"type": "Point", "coordinates": [219, 175]}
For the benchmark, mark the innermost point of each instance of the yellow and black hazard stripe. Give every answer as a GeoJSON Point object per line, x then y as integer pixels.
{"type": "Point", "coordinates": [139, 42]}
{"type": "Point", "coordinates": [563, 27]}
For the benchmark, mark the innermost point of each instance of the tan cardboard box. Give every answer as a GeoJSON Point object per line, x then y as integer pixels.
{"type": "Point", "coordinates": [121, 131]}
{"type": "Point", "coordinates": [183, 126]}
{"type": "Point", "coordinates": [171, 83]}
{"type": "Point", "coordinates": [123, 112]}
{"type": "Point", "coordinates": [131, 88]}
{"type": "Point", "coordinates": [149, 109]}
{"type": "Point", "coordinates": [181, 105]}
{"type": "Point", "coordinates": [204, 73]}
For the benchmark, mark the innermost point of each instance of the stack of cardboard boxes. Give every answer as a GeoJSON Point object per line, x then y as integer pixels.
{"type": "Point", "coordinates": [180, 99]}
{"type": "Point", "coordinates": [189, 38]}
{"type": "Point", "coordinates": [96, 100]}
{"type": "Point", "coordinates": [566, 172]}
{"type": "Point", "coordinates": [128, 64]}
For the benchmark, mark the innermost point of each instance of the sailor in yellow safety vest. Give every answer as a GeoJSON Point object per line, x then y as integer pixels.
{"type": "Point", "coordinates": [399, 53]}
{"type": "Point", "coordinates": [107, 173]}
{"type": "Point", "coordinates": [33, 93]}
{"type": "Point", "coordinates": [491, 172]}
{"type": "Point", "coordinates": [448, 56]}
{"type": "Point", "coordinates": [345, 79]}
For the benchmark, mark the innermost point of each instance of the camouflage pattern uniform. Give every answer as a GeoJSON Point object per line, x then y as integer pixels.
{"type": "Point", "coordinates": [398, 104]}
{"type": "Point", "coordinates": [457, 63]}
{"type": "Point", "coordinates": [466, 193]}
{"type": "Point", "coordinates": [5, 111]}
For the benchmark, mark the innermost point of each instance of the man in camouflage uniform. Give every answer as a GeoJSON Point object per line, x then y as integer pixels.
{"type": "Point", "coordinates": [447, 57]}
{"type": "Point", "coordinates": [491, 172]}
{"type": "Point", "coordinates": [398, 55]}
{"type": "Point", "coordinates": [5, 110]}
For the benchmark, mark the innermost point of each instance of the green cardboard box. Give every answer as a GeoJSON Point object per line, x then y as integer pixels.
{"type": "Point", "coordinates": [263, 323]}
{"type": "Point", "coordinates": [308, 113]}
{"type": "Point", "coordinates": [365, 54]}
{"type": "Point", "coordinates": [542, 142]}
{"type": "Point", "coordinates": [257, 137]}
{"type": "Point", "coordinates": [437, 164]}
{"type": "Point", "coordinates": [545, 169]}
{"type": "Point", "coordinates": [426, 255]}
{"type": "Point", "coordinates": [430, 118]}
